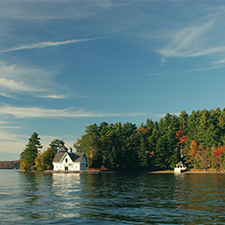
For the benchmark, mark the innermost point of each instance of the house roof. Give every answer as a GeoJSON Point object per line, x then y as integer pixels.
{"type": "Point", "coordinates": [76, 157]}
{"type": "Point", "coordinates": [180, 164]}
{"type": "Point", "coordinates": [58, 156]}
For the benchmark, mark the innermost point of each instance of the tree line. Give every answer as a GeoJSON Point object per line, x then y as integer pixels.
{"type": "Point", "coordinates": [197, 139]}
{"type": "Point", "coordinates": [9, 164]}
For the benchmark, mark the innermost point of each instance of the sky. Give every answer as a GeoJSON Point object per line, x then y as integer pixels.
{"type": "Point", "coordinates": [65, 65]}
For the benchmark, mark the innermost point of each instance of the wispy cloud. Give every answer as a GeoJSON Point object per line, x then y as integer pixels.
{"type": "Point", "coordinates": [12, 146]}
{"type": "Point", "coordinates": [17, 85]}
{"type": "Point", "coordinates": [35, 112]}
{"type": "Point", "coordinates": [7, 95]}
{"type": "Point", "coordinates": [17, 80]}
{"type": "Point", "coordinates": [5, 136]}
{"type": "Point", "coordinates": [9, 127]}
{"type": "Point", "coordinates": [169, 73]}
{"type": "Point", "coordinates": [49, 10]}
{"type": "Point", "coordinates": [189, 42]}
{"type": "Point", "coordinates": [221, 61]}
{"type": "Point", "coordinates": [46, 44]}
{"type": "Point", "coordinates": [54, 96]}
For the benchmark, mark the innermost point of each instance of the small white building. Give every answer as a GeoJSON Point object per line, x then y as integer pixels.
{"type": "Point", "coordinates": [179, 167]}
{"type": "Point", "coordinates": [66, 161]}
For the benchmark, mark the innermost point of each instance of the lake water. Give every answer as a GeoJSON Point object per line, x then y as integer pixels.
{"type": "Point", "coordinates": [138, 198]}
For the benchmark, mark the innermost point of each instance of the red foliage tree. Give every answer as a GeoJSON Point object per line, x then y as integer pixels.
{"type": "Point", "coordinates": [217, 154]}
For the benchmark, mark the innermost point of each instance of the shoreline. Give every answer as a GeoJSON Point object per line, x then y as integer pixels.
{"type": "Point", "coordinates": [104, 170]}
{"type": "Point", "coordinates": [192, 171]}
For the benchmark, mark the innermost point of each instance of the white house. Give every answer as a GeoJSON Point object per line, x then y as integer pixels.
{"type": "Point", "coordinates": [179, 167]}
{"type": "Point", "coordinates": [66, 161]}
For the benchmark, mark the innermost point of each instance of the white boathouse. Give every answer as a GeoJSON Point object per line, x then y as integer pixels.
{"type": "Point", "coordinates": [179, 168]}
{"type": "Point", "coordinates": [65, 161]}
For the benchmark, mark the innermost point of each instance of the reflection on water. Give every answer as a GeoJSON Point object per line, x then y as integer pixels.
{"type": "Point", "coordinates": [67, 189]}
{"type": "Point", "coordinates": [201, 197]}
{"type": "Point", "coordinates": [35, 191]}
{"type": "Point", "coordinates": [37, 198]}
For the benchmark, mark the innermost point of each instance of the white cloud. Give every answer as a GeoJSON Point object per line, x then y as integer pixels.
{"type": "Point", "coordinates": [169, 73]}
{"type": "Point", "coordinates": [16, 85]}
{"type": "Point", "coordinates": [220, 61]}
{"type": "Point", "coordinates": [190, 42]}
{"type": "Point", "coordinates": [49, 10]}
{"type": "Point", "coordinates": [45, 44]}
{"type": "Point", "coordinates": [4, 136]}
{"type": "Point", "coordinates": [9, 127]}
{"type": "Point", "coordinates": [7, 95]}
{"type": "Point", "coordinates": [201, 35]}
{"type": "Point", "coordinates": [16, 78]}
{"type": "Point", "coordinates": [26, 80]}
{"type": "Point", "coordinates": [54, 96]}
{"type": "Point", "coordinates": [35, 112]}
{"type": "Point", "coordinates": [12, 143]}
{"type": "Point", "coordinates": [12, 147]}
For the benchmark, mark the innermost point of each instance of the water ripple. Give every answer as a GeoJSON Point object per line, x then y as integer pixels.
{"type": "Point", "coordinates": [33, 198]}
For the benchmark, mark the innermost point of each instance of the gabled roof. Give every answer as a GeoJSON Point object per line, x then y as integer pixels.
{"type": "Point", "coordinates": [58, 156]}
{"type": "Point", "coordinates": [75, 157]}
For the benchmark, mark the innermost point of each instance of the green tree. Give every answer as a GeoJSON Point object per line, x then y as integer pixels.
{"type": "Point", "coordinates": [58, 146]}
{"type": "Point", "coordinates": [29, 154]}
{"type": "Point", "coordinates": [44, 160]}
{"type": "Point", "coordinates": [90, 145]}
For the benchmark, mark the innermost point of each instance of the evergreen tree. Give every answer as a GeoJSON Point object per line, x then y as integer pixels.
{"type": "Point", "coordinates": [29, 154]}
{"type": "Point", "coordinates": [156, 145]}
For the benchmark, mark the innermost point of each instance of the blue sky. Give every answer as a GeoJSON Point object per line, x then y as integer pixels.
{"type": "Point", "coordinates": [67, 64]}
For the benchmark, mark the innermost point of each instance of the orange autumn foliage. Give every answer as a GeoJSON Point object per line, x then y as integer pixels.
{"type": "Point", "coordinates": [143, 130]}
{"type": "Point", "coordinates": [181, 136]}
{"type": "Point", "coordinates": [193, 150]}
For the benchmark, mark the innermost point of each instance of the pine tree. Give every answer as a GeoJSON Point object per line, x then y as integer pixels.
{"type": "Point", "coordinates": [29, 154]}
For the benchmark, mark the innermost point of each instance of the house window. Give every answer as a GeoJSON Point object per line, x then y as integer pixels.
{"type": "Point", "coordinates": [66, 160]}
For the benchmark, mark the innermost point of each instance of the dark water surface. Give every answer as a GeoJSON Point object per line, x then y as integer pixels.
{"type": "Point", "coordinates": [141, 198]}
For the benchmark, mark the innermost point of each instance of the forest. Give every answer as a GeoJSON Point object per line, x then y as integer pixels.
{"type": "Point", "coordinates": [197, 139]}
{"type": "Point", "coordinates": [9, 164]}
